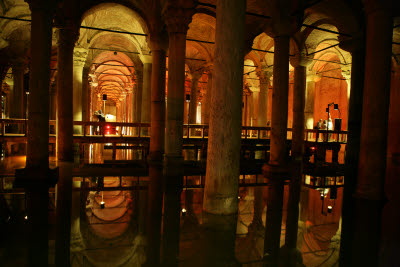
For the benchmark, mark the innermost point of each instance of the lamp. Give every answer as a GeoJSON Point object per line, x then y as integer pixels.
{"type": "Point", "coordinates": [187, 98]}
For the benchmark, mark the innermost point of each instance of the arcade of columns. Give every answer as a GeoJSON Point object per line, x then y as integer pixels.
{"type": "Point", "coordinates": [367, 129]}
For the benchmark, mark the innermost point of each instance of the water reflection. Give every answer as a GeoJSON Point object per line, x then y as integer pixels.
{"type": "Point", "coordinates": [147, 217]}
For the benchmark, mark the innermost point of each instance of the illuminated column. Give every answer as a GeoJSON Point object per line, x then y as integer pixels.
{"type": "Point", "coordinates": [193, 99]}
{"type": "Point", "coordinates": [138, 95]}
{"type": "Point", "coordinates": [221, 188]}
{"type": "Point", "coordinates": [299, 89]}
{"type": "Point", "coordinates": [157, 138]}
{"type": "Point", "coordinates": [220, 204]}
{"type": "Point", "coordinates": [205, 107]}
{"type": "Point", "coordinates": [146, 93]}
{"type": "Point", "coordinates": [264, 77]}
{"type": "Point", "coordinates": [80, 55]}
{"type": "Point", "coordinates": [177, 20]}
{"type": "Point", "coordinates": [37, 159]}
{"type": "Point", "coordinates": [311, 79]}
{"type": "Point", "coordinates": [17, 107]}
{"type": "Point", "coordinates": [369, 194]}
{"type": "Point", "coordinates": [85, 94]}
{"type": "Point", "coordinates": [277, 168]}
{"type": "Point", "coordinates": [67, 36]}
{"type": "Point", "coordinates": [356, 46]}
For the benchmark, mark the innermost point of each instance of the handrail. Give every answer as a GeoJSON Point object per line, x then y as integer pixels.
{"type": "Point", "coordinates": [192, 130]}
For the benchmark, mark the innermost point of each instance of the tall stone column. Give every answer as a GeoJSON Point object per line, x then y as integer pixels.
{"type": "Point", "coordinates": [85, 94]}
{"type": "Point", "coordinates": [177, 20]}
{"type": "Point", "coordinates": [372, 161]}
{"type": "Point", "coordinates": [299, 90]}
{"type": "Point", "coordinates": [264, 77]}
{"type": "Point", "coordinates": [146, 93]}
{"type": "Point", "coordinates": [207, 101]}
{"type": "Point", "coordinates": [157, 139]}
{"type": "Point", "coordinates": [37, 159]}
{"type": "Point", "coordinates": [193, 100]}
{"type": "Point", "coordinates": [221, 188]}
{"type": "Point", "coordinates": [17, 109]}
{"type": "Point", "coordinates": [67, 36]}
{"type": "Point", "coordinates": [311, 79]}
{"type": "Point", "coordinates": [220, 204]}
{"type": "Point", "coordinates": [80, 55]}
{"type": "Point", "coordinates": [138, 95]}
{"type": "Point", "coordinates": [356, 47]}
{"type": "Point", "coordinates": [276, 169]}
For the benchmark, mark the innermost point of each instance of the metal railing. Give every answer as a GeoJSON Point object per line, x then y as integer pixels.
{"type": "Point", "coordinates": [18, 127]}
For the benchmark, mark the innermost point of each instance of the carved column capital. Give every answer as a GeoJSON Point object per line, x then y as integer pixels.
{"type": "Point", "coordinates": [178, 18]}
{"type": "Point", "coordinates": [80, 55]}
{"type": "Point", "coordinates": [264, 75]}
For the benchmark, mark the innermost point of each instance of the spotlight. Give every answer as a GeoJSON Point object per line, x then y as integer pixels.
{"type": "Point", "coordinates": [329, 209]}
{"type": "Point", "coordinates": [183, 212]}
{"type": "Point", "coordinates": [26, 217]}
{"type": "Point", "coordinates": [102, 205]}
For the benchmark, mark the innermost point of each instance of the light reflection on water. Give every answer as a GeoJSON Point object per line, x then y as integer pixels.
{"type": "Point", "coordinates": [115, 235]}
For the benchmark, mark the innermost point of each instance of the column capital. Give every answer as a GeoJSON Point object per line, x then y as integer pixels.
{"type": "Point", "coordinates": [264, 74]}
{"type": "Point", "coordinates": [197, 75]}
{"type": "Point", "coordinates": [312, 76]}
{"type": "Point", "coordinates": [178, 18]}
{"type": "Point", "coordinates": [80, 55]}
{"type": "Point", "coordinates": [67, 34]}
{"type": "Point", "coordinates": [41, 5]}
{"type": "Point", "coordinates": [300, 59]}
{"type": "Point", "coordinates": [346, 71]}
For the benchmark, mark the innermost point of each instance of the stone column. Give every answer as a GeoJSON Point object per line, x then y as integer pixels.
{"type": "Point", "coordinates": [146, 94]}
{"type": "Point", "coordinates": [80, 55]}
{"type": "Point", "coordinates": [356, 47]}
{"type": "Point", "coordinates": [207, 100]}
{"type": "Point", "coordinates": [292, 219]}
{"type": "Point", "coordinates": [67, 36]}
{"type": "Point", "coordinates": [37, 159]}
{"type": "Point", "coordinates": [311, 79]}
{"type": "Point", "coordinates": [138, 95]}
{"type": "Point", "coordinates": [157, 139]}
{"type": "Point", "coordinates": [177, 20]}
{"type": "Point", "coordinates": [221, 188]}
{"type": "Point", "coordinates": [372, 161]}
{"type": "Point", "coordinates": [17, 111]}
{"type": "Point", "coordinates": [220, 204]}
{"type": "Point", "coordinates": [85, 94]}
{"type": "Point", "coordinates": [193, 100]}
{"type": "Point", "coordinates": [276, 169]}
{"type": "Point", "coordinates": [264, 77]}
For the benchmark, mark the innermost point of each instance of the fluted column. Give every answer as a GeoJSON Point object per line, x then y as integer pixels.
{"type": "Point", "coordinates": [80, 55]}
{"type": "Point", "coordinates": [37, 159]}
{"type": "Point", "coordinates": [276, 169]}
{"type": "Point", "coordinates": [372, 161]}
